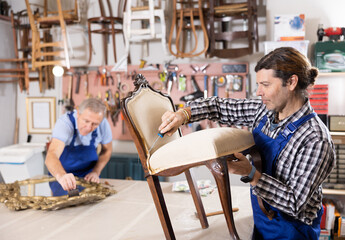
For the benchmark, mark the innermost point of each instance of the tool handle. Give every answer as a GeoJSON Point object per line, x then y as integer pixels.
{"type": "Point", "coordinates": [195, 84]}
{"type": "Point", "coordinates": [161, 134]}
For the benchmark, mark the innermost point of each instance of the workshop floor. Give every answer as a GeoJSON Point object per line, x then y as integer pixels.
{"type": "Point", "coordinates": [128, 215]}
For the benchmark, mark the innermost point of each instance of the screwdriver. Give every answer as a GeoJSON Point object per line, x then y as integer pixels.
{"type": "Point", "coordinates": [160, 135]}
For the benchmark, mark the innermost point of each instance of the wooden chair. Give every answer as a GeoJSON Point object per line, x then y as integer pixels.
{"type": "Point", "coordinates": [107, 26]}
{"type": "Point", "coordinates": [19, 70]}
{"type": "Point", "coordinates": [185, 15]}
{"type": "Point", "coordinates": [46, 52]}
{"type": "Point", "coordinates": [51, 15]}
{"type": "Point", "coordinates": [222, 19]}
{"type": "Point", "coordinates": [173, 155]}
{"type": "Point", "coordinates": [147, 31]}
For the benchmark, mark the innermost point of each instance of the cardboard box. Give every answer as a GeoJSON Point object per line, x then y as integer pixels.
{"type": "Point", "coordinates": [330, 56]}
{"type": "Point", "coordinates": [325, 234]}
{"type": "Point", "coordinates": [301, 46]}
{"type": "Point", "coordinates": [289, 27]}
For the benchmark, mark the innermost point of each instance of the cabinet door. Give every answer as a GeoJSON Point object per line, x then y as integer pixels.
{"type": "Point", "coordinates": [123, 167]}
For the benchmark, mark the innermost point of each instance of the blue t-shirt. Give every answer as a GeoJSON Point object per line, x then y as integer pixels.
{"type": "Point", "coordinates": [63, 130]}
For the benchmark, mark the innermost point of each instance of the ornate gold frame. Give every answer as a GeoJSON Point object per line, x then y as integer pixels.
{"type": "Point", "coordinates": [11, 196]}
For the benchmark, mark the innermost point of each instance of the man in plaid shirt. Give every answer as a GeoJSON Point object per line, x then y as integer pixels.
{"type": "Point", "coordinates": [295, 146]}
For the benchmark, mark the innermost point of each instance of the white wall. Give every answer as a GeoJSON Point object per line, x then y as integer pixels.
{"type": "Point", "coordinates": [330, 14]}
{"type": "Point", "coordinates": [8, 91]}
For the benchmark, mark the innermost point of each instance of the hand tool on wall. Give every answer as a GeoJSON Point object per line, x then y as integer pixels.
{"type": "Point", "coordinates": [333, 33]}
{"type": "Point", "coordinates": [163, 76]}
{"type": "Point", "coordinates": [174, 77]}
{"type": "Point", "coordinates": [229, 82]}
{"type": "Point", "coordinates": [103, 76]}
{"type": "Point", "coordinates": [111, 78]}
{"type": "Point", "coordinates": [86, 84]}
{"type": "Point", "coordinates": [97, 77]}
{"type": "Point", "coordinates": [195, 85]}
{"type": "Point", "coordinates": [116, 108]}
{"type": "Point", "coordinates": [203, 68]}
{"type": "Point", "coordinates": [118, 78]}
{"type": "Point", "coordinates": [170, 83]}
{"type": "Point", "coordinates": [69, 103]}
{"type": "Point", "coordinates": [123, 123]}
{"type": "Point", "coordinates": [182, 82]}
{"type": "Point", "coordinates": [194, 68]}
{"type": "Point", "coordinates": [237, 83]}
{"type": "Point", "coordinates": [214, 86]}
{"type": "Point", "coordinates": [78, 74]}
{"type": "Point", "coordinates": [194, 95]}
{"type": "Point", "coordinates": [205, 86]}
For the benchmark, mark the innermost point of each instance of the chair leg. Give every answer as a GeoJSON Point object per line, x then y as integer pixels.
{"type": "Point", "coordinates": [114, 41]}
{"type": "Point", "coordinates": [197, 199]}
{"type": "Point", "coordinates": [161, 208]}
{"type": "Point", "coordinates": [219, 170]}
{"type": "Point", "coordinates": [105, 44]}
{"type": "Point", "coordinates": [163, 40]}
{"type": "Point", "coordinates": [90, 42]}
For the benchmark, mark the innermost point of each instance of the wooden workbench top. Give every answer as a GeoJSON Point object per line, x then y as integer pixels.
{"type": "Point", "coordinates": [129, 214]}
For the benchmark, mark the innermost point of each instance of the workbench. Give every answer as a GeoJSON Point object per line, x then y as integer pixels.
{"type": "Point", "coordinates": [129, 214]}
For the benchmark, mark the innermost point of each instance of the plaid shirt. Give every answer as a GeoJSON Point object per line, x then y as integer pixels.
{"type": "Point", "coordinates": [302, 165]}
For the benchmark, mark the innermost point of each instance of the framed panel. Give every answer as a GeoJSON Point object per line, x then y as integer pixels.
{"type": "Point", "coordinates": [40, 114]}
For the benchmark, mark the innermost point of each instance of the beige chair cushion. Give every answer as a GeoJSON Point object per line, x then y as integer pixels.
{"type": "Point", "coordinates": [200, 146]}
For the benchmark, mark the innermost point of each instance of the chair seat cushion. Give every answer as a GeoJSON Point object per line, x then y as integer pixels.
{"type": "Point", "coordinates": [200, 146]}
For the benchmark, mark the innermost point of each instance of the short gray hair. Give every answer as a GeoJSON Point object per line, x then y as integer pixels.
{"type": "Point", "coordinates": [93, 104]}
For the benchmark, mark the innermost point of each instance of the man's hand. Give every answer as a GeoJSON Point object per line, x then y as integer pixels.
{"type": "Point", "coordinates": [92, 177]}
{"type": "Point", "coordinates": [240, 167]}
{"type": "Point", "coordinates": [171, 121]}
{"type": "Point", "coordinates": [67, 181]}
{"type": "Point", "coordinates": [243, 167]}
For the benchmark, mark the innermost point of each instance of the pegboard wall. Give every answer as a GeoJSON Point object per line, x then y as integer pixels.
{"type": "Point", "coordinates": [223, 80]}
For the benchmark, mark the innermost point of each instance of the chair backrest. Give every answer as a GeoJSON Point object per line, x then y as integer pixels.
{"type": "Point", "coordinates": [69, 9]}
{"type": "Point", "coordinates": [108, 11]}
{"type": "Point", "coordinates": [185, 12]}
{"type": "Point", "coordinates": [143, 110]}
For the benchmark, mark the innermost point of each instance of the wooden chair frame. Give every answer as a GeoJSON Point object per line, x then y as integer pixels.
{"type": "Point", "coordinates": [39, 52]}
{"type": "Point", "coordinates": [22, 50]}
{"type": "Point", "coordinates": [191, 10]}
{"type": "Point", "coordinates": [218, 167]}
{"type": "Point", "coordinates": [104, 22]}
{"type": "Point", "coordinates": [144, 34]}
{"type": "Point", "coordinates": [224, 13]}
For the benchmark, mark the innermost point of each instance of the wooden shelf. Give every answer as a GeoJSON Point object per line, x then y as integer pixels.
{"type": "Point", "coordinates": [327, 191]}
{"type": "Point", "coordinates": [338, 137]}
{"type": "Point", "coordinates": [331, 74]}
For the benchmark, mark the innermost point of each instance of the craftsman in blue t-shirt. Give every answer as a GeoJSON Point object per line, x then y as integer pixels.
{"type": "Point", "coordinates": [73, 149]}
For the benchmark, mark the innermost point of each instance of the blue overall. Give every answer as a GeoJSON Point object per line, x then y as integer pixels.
{"type": "Point", "coordinates": [78, 160]}
{"type": "Point", "coordinates": [282, 226]}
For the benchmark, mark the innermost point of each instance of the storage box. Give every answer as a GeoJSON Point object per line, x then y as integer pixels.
{"type": "Point", "coordinates": [325, 234]}
{"type": "Point", "coordinates": [337, 123]}
{"type": "Point", "coordinates": [330, 56]}
{"type": "Point", "coordinates": [301, 46]}
{"type": "Point", "coordinates": [21, 161]}
{"type": "Point", "coordinates": [289, 27]}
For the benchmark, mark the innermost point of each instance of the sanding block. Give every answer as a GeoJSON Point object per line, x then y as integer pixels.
{"type": "Point", "coordinates": [73, 193]}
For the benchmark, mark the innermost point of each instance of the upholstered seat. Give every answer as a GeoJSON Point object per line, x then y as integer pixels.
{"type": "Point", "coordinates": [200, 146]}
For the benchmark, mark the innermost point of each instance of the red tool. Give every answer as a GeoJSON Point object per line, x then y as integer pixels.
{"type": "Point", "coordinates": [334, 33]}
